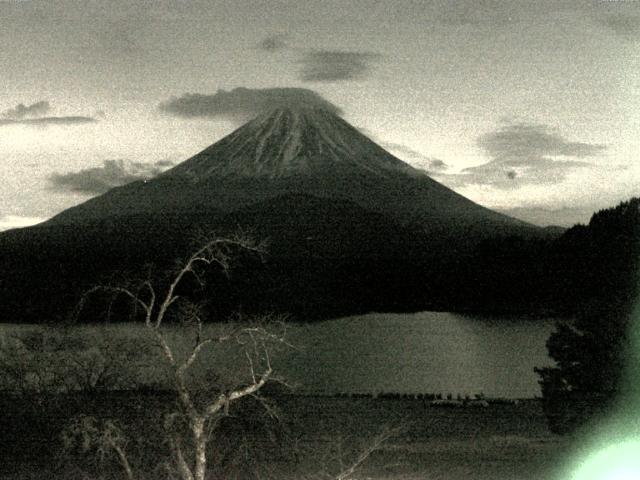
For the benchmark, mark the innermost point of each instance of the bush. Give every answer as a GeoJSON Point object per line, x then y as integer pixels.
{"type": "Point", "coordinates": [49, 360]}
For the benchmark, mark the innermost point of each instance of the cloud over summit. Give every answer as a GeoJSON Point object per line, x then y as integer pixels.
{"type": "Point", "coordinates": [241, 104]}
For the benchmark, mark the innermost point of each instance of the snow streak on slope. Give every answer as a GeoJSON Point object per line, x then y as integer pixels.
{"type": "Point", "coordinates": [287, 142]}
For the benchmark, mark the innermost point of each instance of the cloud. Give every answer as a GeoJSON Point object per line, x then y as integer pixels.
{"type": "Point", "coordinates": [8, 222]}
{"type": "Point", "coordinates": [273, 43]}
{"type": "Point", "coordinates": [113, 173]}
{"type": "Point", "coordinates": [46, 121]}
{"type": "Point", "coordinates": [241, 104]}
{"type": "Point", "coordinates": [336, 65]}
{"type": "Point", "coordinates": [492, 13]}
{"type": "Point", "coordinates": [33, 115]}
{"type": "Point", "coordinates": [523, 154]}
{"type": "Point", "coordinates": [415, 158]}
{"type": "Point", "coordinates": [521, 141]}
{"type": "Point", "coordinates": [625, 25]}
{"type": "Point", "coordinates": [21, 110]}
{"type": "Point", "coordinates": [321, 65]}
{"type": "Point", "coordinates": [164, 163]}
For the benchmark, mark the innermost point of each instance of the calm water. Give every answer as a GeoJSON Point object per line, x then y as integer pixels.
{"type": "Point", "coordinates": [428, 352]}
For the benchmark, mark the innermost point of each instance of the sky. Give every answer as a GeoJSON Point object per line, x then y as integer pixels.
{"type": "Point", "coordinates": [531, 108]}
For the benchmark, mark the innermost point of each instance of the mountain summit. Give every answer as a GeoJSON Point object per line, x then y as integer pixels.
{"type": "Point", "coordinates": [291, 141]}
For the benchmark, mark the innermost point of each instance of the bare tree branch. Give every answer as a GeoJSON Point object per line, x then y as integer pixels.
{"type": "Point", "coordinates": [210, 253]}
{"type": "Point", "coordinates": [254, 339]}
{"type": "Point", "coordinates": [376, 443]}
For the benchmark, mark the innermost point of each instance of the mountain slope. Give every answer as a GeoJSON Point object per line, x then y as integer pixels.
{"type": "Point", "coordinates": [325, 258]}
{"type": "Point", "coordinates": [305, 151]}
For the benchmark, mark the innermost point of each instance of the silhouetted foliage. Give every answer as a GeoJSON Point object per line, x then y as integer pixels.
{"type": "Point", "coordinates": [602, 265]}
{"type": "Point", "coordinates": [328, 258]}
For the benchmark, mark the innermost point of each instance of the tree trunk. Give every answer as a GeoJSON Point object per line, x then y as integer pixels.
{"type": "Point", "coordinates": [124, 461]}
{"type": "Point", "coordinates": [200, 445]}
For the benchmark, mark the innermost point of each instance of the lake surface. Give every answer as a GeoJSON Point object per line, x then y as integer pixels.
{"type": "Point", "coordinates": [428, 352]}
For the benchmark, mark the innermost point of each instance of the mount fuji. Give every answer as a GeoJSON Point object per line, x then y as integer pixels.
{"type": "Point", "coordinates": [352, 228]}
{"type": "Point", "coordinates": [310, 151]}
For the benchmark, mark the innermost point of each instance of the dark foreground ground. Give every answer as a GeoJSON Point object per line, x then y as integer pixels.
{"type": "Point", "coordinates": [311, 437]}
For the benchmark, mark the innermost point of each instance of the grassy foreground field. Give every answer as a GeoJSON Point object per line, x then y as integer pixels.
{"type": "Point", "coordinates": [498, 442]}
{"type": "Point", "coordinates": [311, 437]}
{"type": "Point", "coordinates": [113, 372]}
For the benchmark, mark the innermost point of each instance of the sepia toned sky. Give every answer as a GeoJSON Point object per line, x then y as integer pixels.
{"type": "Point", "coordinates": [530, 107]}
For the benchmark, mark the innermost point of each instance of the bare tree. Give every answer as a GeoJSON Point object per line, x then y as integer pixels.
{"type": "Point", "coordinates": [47, 360]}
{"type": "Point", "coordinates": [102, 437]}
{"type": "Point", "coordinates": [344, 459]}
{"type": "Point", "coordinates": [200, 408]}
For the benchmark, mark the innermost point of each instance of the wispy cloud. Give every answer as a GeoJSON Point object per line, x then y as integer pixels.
{"type": "Point", "coordinates": [624, 24]}
{"type": "Point", "coordinates": [113, 173]}
{"type": "Point", "coordinates": [323, 65]}
{"type": "Point", "coordinates": [492, 13]}
{"type": "Point", "coordinates": [525, 153]}
{"type": "Point", "coordinates": [415, 158]}
{"type": "Point", "coordinates": [33, 115]}
{"type": "Point", "coordinates": [520, 142]}
{"type": "Point", "coordinates": [273, 43]}
{"type": "Point", "coordinates": [336, 65]}
{"type": "Point", "coordinates": [45, 121]}
{"type": "Point", "coordinates": [21, 110]}
{"type": "Point", "coordinates": [242, 103]}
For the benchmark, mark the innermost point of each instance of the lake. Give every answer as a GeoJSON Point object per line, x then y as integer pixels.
{"type": "Point", "coordinates": [427, 352]}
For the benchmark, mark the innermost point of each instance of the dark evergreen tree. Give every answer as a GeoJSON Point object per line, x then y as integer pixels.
{"type": "Point", "coordinates": [600, 272]}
